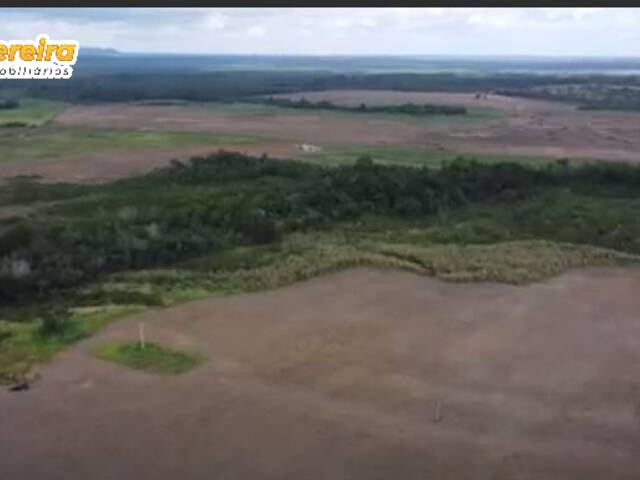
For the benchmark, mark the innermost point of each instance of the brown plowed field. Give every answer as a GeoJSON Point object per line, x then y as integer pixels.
{"type": "Point", "coordinates": [523, 127]}
{"type": "Point", "coordinates": [529, 127]}
{"type": "Point", "coordinates": [291, 125]}
{"type": "Point", "coordinates": [356, 375]}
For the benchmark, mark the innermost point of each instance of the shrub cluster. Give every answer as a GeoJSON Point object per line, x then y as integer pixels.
{"type": "Point", "coordinates": [9, 104]}
{"type": "Point", "coordinates": [406, 108]}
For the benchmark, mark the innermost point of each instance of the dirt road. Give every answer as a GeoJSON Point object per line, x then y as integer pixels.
{"type": "Point", "coordinates": [355, 375]}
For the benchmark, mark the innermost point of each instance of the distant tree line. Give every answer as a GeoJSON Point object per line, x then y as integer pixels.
{"type": "Point", "coordinates": [115, 86]}
{"type": "Point", "coordinates": [9, 104]}
{"type": "Point", "coordinates": [588, 96]}
{"type": "Point", "coordinates": [406, 108]}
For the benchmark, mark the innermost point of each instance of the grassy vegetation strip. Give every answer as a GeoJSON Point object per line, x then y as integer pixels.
{"type": "Point", "coordinates": [518, 262]}
{"type": "Point", "coordinates": [24, 343]}
{"type": "Point", "coordinates": [413, 156]}
{"type": "Point", "coordinates": [150, 357]}
{"type": "Point", "coordinates": [30, 113]}
{"type": "Point", "coordinates": [27, 145]}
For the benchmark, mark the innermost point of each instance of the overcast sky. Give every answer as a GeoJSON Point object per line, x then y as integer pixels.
{"type": "Point", "coordinates": [425, 31]}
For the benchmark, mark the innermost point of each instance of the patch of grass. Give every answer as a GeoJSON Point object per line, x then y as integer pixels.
{"type": "Point", "coordinates": [249, 256]}
{"type": "Point", "coordinates": [311, 263]}
{"type": "Point", "coordinates": [31, 113]}
{"type": "Point", "coordinates": [150, 358]}
{"type": "Point", "coordinates": [518, 262]}
{"type": "Point", "coordinates": [304, 257]}
{"type": "Point", "coordinates": [24, 343]}
{"type": "Point", "coordinates": [412, 156]}
{"type": "Point", "coordinates": [51, 143]}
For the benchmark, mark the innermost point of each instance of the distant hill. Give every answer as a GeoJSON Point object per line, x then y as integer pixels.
{"type": "Point", "coordinates": [99, 52]}
{"type": "Point", "coordinates": [100, 60]}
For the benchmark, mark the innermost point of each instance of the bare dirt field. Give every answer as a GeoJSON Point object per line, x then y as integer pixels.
{"type": "Point", "coordinates": [530, 127]}
{"type": "Point", "coordinates": [521, 128]}
{"type": "Point", "coordinates": [355, 375]}
{"type": "Point", "coordinates": [302, 127]}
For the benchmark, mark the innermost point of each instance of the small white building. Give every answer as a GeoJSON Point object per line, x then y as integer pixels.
{"type": "Point", "coordinates": [309, 148]}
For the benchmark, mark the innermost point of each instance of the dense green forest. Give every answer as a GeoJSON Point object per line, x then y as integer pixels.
{"type": "Point", "coordinates": [110, 61]}
{"type": "Point", "coordinates": [588, 96]}
{"type": "Point", "coordinates": [406, 108]}
{"type": "Point", "coordinates": [225, 200]}
{"type": "Point", "coordinates": [233, 85]}
{"type": "Point", "coordinates": [9, 104]}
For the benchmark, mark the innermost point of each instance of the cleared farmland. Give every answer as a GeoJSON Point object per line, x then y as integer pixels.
{"type": "Point", "coordinates": [101, 142]}
{"type": "Point", "coordinates": [372, 374]}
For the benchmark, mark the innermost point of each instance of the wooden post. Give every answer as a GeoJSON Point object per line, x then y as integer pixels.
{"type": "Point", "coordinates": [141, 334]}
{"type": "Point", "coordinates": [437, 411]}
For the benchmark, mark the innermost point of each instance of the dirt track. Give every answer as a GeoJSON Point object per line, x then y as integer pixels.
{"type": "Point", "coordinates": [357, 375]}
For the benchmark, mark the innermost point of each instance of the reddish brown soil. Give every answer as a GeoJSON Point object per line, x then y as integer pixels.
{"type": "Point", "coordinates": [292, 126]}
{"type": "Point", "coordinates": [527, 127]}
{"type": "Point", "coordinates": [530, 127]}
{"type": "Point", "coordinates": [356, 375]}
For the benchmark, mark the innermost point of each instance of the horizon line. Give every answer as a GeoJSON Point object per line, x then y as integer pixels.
{"type": "Point", "coordinates": [388, 55]}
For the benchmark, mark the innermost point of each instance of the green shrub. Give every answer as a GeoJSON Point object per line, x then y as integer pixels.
{"type": "Point", "coordinates": [152, 357]}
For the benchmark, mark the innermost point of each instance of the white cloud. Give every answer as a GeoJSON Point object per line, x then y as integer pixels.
{"type": "Point", "coordinates": [256, 31]}
{"type": "Point", "coordinates": [491, 20]}
{"type": "Point", "coordinates": [367, 22]}
{"type": "Point", "coordinates": [537, 31]}
{"type": "Point", "coordinates": [342, 23]}
{"type": "Point", "coordinates": [215, 21]}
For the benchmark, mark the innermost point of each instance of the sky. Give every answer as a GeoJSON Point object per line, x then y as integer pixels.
{"type": "Point", "coordinates": [337, 31]}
